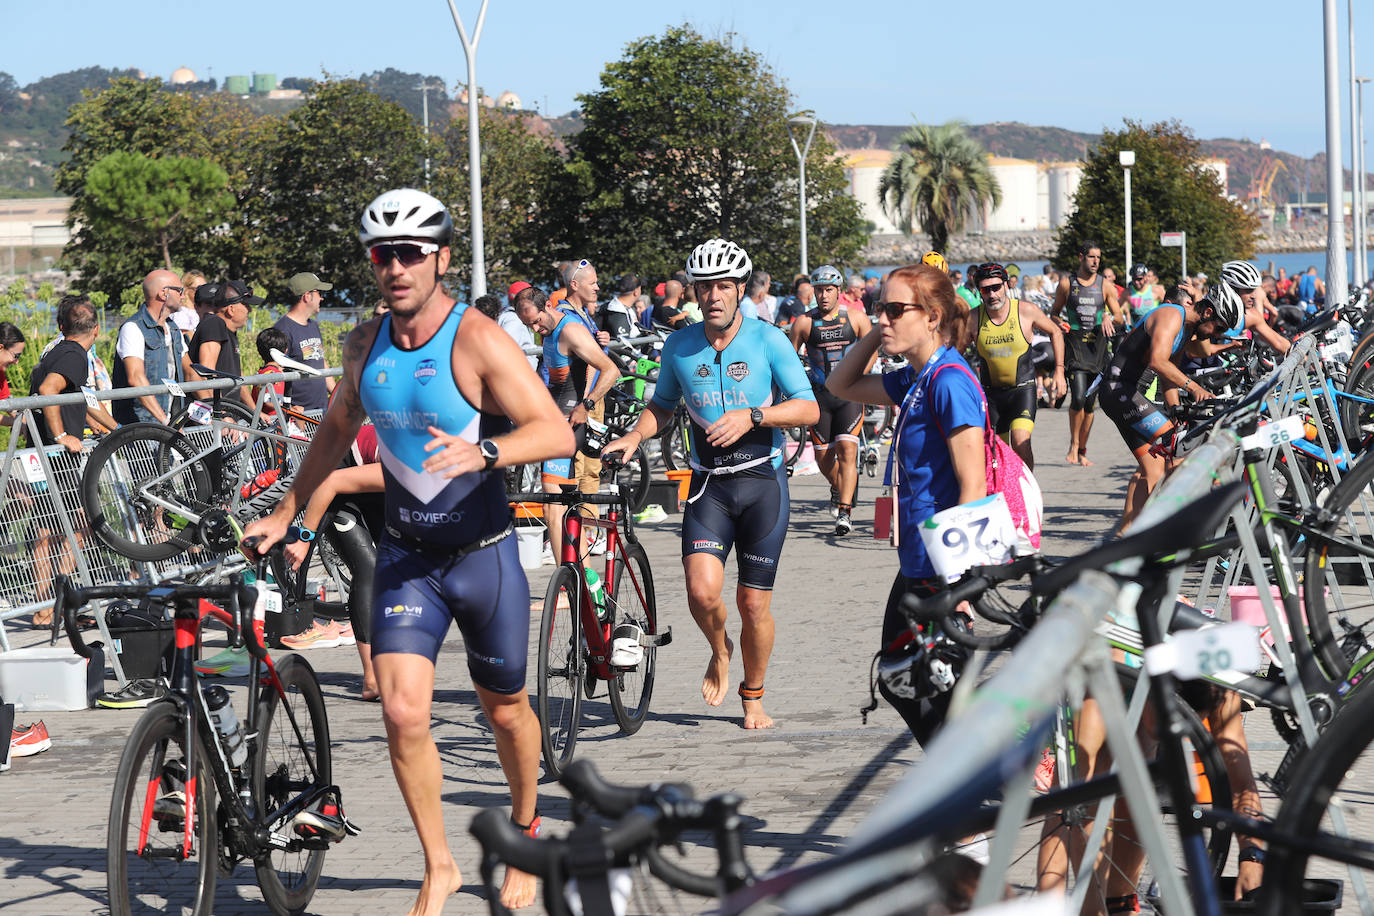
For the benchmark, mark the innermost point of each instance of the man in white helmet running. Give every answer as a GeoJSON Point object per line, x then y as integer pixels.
{"type": "Point", "coordinates": [453, 400]}
{"type": "Point", "coordinates": [743, 385]}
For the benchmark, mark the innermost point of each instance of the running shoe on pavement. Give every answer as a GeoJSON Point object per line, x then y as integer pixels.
{"type": "Point", "coordinates": [1044, 772]}
{"type": "Point", "coordinates": [346, 637]}
{"type": "Point", "coordinates": [843, 525]}
{"type": "Point", "coordinates": [229, 663]}
{"type": "Point", "coordinates": [29, 740]}
{"type": "Point", "coordinates": [319, 636]}
{"type": "Point", "coordinates": [133, 695]}
{"type": "Point", "coordinates": [834, 503]}
{"type": "Point", "coordinates": [652, 513]}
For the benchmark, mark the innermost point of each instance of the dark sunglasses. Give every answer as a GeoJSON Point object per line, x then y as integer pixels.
{"type": "Point", "coordinates": [989, 290]}
{"type": "Point", "coordinates": [895, 310]}
{"type": "Point", "coordinates": [408, 253]}
{"type": "Point", "coordinates": [177, 289]}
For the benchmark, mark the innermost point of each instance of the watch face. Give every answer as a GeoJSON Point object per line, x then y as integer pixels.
{"type": "Point", "coordinates": [489, 450]}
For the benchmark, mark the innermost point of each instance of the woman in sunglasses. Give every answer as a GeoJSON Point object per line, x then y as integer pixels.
{"type": "Point", "coordinates": [937, 458]}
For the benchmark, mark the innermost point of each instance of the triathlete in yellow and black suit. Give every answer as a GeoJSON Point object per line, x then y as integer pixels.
{"type": "Point", "coordinates": [1005, 328]}
{"type": "Point", "coordinates": [828, 331]}
{"type": "Point", "coordinates": [1091, 315]}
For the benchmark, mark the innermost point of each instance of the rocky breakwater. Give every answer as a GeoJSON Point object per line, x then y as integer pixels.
{"type": "Point", "coordinates": [999, 246]}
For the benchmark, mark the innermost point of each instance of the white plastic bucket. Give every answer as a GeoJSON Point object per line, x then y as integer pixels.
{"type": "Point", "coordinates": [531, 544]}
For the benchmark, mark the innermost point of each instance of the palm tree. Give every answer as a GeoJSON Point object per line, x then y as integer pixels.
{"type": "Point", "coordinates": [938, 179]}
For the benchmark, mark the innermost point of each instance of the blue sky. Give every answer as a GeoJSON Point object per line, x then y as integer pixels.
{"type": "Point", "coordinates": [1224, 68]}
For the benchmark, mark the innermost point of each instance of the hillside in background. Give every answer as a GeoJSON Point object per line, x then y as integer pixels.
{"type": "Point", "coordinates": [31, 132]}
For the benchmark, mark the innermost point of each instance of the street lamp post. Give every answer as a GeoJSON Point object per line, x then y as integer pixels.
{"type": "Point", "coordinates": [1128, 160]}
{"type": "Point", "coordinates": [424, 109]}
{"type": "Point", "coordinates": [1360, 201]}
{"type": "Point", "coordinates": [479, 267]}
{"type": "Point", "coordinates": [1335, 184]}
{"type": "Point", "coordinates": [801, 121]}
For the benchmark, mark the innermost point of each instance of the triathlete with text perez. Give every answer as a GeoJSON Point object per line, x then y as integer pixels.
{"type": "Point", "coordinates": [742, 384]}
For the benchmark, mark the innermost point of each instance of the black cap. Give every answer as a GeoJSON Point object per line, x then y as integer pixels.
{"type": "Point", "coordinates": [207, 293]}
{"type": "Point", "coordinates": [627, 284]}
{"type": "Point", "coordinates": [235, 291]}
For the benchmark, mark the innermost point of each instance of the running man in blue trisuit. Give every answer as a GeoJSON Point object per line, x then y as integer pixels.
{"type": "Point", "coordinates": [743, 384]}
{"type": "Point", "coordinates": [453, 400]}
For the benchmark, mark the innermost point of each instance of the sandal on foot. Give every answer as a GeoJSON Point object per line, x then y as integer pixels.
{"type": "Point", "coordinates": [750, 693]}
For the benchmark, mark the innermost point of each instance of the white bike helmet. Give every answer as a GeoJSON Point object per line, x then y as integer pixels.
{"type": "Point", "coordinates": [1230, 310]}
{"type": "Point", "coordinates": [719, 259]}
{"type": "Point", "coordinates": [405, 213]}
{"type": "Point", "coordinates": [1240, 275]}
{"type": "Point", "coordinates": [826, 275]}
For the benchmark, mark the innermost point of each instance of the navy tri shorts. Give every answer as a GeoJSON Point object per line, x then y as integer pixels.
{"type": "Point", "coordinates": [748, 512]}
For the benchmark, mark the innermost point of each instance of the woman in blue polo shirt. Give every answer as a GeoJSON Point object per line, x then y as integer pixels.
{"type": "Point", "coordinates": [938, 454]}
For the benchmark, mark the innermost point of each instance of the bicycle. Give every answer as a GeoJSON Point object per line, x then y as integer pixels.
{"type": "Point", "coordinates": [195, 793]}
{"type": "Point", "coordinates": [146, 486]}
{"type": "Point", "coordinates": [586, 638]}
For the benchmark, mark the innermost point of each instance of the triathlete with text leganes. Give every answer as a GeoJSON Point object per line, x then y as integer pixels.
{"type": "Point", "coordinates": [743, 385]}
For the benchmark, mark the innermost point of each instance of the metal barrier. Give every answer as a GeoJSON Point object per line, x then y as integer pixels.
{"type": "Point", "coordinates": [43, 528]}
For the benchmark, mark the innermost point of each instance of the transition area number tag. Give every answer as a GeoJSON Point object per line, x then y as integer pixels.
{"type": "Point", "coordinates": [174, 388]}
{"type": "Point", "coordinates": [1193, 654]}
{"type": "Point", "coordinates": [199, 412]}
{"type": "Point", "coordinates": [1272, 435]}
{"type": "Point", "coordinates": [979, 533]}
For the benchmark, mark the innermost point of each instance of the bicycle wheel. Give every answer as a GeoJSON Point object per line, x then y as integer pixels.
{"type": "Point", "coordinates": [145, 869]}
{"type": "Point", "coordinates": [797, 436]}
{"type": "Point", "coordinates": [632, 601]}
{"type": "Point", "coordinates": [129, 475]}
{"type": "Point", "coordinates": [633, 479]}
{"type": "Point", "coordinates": [675, 444]}
{"type": "Point", "coordinates": [1338, 581]}
{"type": "Point", "coordinates": [561, 666]}
{"type": "Point", "coordinates": [1337, 772]}
{"type": "Point", "coordinates": [292, 757]}
{"type": "Point", "coordinates": [1357, 417]}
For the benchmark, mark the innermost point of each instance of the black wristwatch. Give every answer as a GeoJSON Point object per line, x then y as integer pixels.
{"type": "Point", "coordinates": [491, 453]}
{"type": "Point", "coordinates": [1251, 854]}
{"type": "Point", "coordinates": [589, 403]}
{"type": "Point", "coordinates": [756, 417]}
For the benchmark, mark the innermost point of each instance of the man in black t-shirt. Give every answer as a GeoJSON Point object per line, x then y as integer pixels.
{"type": "Point", "coordinates": [667, 312]}
{"type": "Point", "coordinates": [216, 341]}
{"type": "Point", "coordinates": [63, 370]}
{"type": "Point", "coordinates": [307, 344]}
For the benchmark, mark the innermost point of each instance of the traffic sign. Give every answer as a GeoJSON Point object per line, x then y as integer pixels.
{"type": "Point", "coordinates": [1172, 239]}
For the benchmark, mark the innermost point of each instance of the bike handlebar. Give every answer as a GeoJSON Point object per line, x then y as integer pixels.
{"type": "Point", "coordinates": [940, 608]}
{"type": "Point", "coordinates": [586, 785]}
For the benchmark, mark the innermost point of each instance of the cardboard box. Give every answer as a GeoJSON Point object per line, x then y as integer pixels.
{"type": "Point", "coordinates": [45, 678]}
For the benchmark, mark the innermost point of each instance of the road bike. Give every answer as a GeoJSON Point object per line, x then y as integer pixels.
{"type": "Point", "coordinates": [195, 793]}
{"type": "Point", "coordinates": [588, 637]}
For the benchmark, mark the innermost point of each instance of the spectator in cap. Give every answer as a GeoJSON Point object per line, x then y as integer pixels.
{"type": "Point", "coordinates": [306, 344]}
{"type": "Point", "coordinates": [149, 349]}
{"type": "Point", "coordinates": [621, 314]}
{"type": "Point", "coordinates": [216, 341]}
{"type": "Point", "coordinates": [510, 323]}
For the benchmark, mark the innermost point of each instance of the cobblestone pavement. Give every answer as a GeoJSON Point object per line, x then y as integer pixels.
{"type": "Point", "coordinates": [807, 782]}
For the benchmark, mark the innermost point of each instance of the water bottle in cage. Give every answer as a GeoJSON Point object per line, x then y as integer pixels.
{"type": "Point", "coordinates": [260, 483]}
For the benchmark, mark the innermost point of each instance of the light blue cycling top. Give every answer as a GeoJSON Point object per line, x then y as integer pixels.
{"type": "Point", "coordinates": [757, 368]}
{"type": "Point", "coordinates": [405, 392]}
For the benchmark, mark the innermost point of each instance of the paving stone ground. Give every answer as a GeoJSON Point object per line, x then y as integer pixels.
{"type": "Point", "coordinates": [807, 782]}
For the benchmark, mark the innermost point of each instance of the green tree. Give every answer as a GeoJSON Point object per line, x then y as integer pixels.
{"type": "Point", "coordinates": [158, 200]}
{"type": "Point", "coordinates": [527, 196]}
{"type": "Point", "coordinates": [937, 181]}
{"type": "Point", "coordinates": [686, 139]}
{"type": "Point", "coordinates": [332, 155]}
{"type": "Point", "coordinates": [1172, 190]}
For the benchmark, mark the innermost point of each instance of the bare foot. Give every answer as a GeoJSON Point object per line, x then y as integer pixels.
{"type": "Point", "coordinates": [437, 887]}
{"type": "Point", "coordinates": [1072, 456]}
{"type": "Point", "coordinates": [518, 889]}
{"type": "Point", "coordinates": [42, 618]}
{"type": "Point", "coordinates": [370, 692]}
{"type": "Point", "coordinates": [717, 681]}
{"type": "Point", "coordinates": [1083, 458]}
{"type": "Point", "coordinates": [754, 716]}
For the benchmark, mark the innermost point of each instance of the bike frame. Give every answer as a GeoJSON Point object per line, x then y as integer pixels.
{"type": "Point", "coordinates": [596, 635]}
